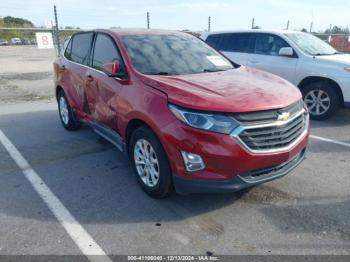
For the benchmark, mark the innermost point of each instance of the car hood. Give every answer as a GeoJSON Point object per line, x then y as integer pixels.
{"type": "Point", "coordinates": [340, 58]}
{"type": "Point", "coordinates": [238, 90]}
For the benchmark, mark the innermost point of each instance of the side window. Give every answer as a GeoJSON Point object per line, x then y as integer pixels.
{"type": "Point", "coordinates": [105, 51]}
{"type": "Point", "coordinates": [68, 50]}
{"type": "Point", "coordinates": [214, 41]}
{"type": "Point", "coordinates": [267, 44]}
{"type": "Point", "coordinates": [238, 42]}
{"type": "Point", "coordinates": [81, 44]}
{"type": "Point", "coordinates": [225, 42]}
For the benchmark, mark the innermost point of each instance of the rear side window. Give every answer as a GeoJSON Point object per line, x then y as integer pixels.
{"type": "Point", "coordinates": [81, 45]}
{"type": "Point", "coordinates": [105, 51]}
{"type": "Point", "coordinates": [237, 42]}
{"type": "Point", "coordinates": [214, 41]}
{"type": "Point", "coordinates": [267, 44]}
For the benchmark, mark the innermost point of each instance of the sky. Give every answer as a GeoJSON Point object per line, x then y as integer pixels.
{"type": "Point", "coordinates": [181, 14]}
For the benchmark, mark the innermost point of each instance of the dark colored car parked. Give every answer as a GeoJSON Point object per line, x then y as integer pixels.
{"type": "Point", "coordinates": [187, 117]}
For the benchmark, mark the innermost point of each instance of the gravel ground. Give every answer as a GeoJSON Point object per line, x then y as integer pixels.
{"type": "Point", "coordinates": [25, 74]}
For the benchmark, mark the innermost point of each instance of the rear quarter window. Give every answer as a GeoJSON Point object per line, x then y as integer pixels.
{"type": "Point", "coordinates": [68, 49]}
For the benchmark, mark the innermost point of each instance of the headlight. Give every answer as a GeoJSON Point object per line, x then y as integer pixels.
{"type": "Point", "coordinates": [347, 68]}
{"type": "Point", "coordinates": [211, 122]}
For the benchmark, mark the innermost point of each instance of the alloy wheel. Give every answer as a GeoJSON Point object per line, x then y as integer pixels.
{"type": "Point", "coordinates": [146, 162]}
{"type": "Point", "coordinates": [317, 101]}
{"type": "Point", "coordinates": [64, 113]}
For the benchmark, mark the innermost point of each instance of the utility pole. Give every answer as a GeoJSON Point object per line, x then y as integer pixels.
{"type": "Point", "coordinates": [287, 25]}
{"type": "Point", "coordinates": [57, 33]}
{"type": "Point", "coordinates": [148, 20]}
{"type": "Point", "coordinates": [312, 20]}
{"type": "Point", "coordinates": [253, 22]}
{"type": "Point", "coordinates": [209, 23]}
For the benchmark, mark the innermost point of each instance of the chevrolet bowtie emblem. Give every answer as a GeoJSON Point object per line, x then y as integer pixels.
{"type": "Point", "coordinates": [283, 116]}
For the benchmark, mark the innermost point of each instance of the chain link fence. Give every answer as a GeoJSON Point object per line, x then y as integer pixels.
{"type": "Point", "coordinates": [26, 36]}
{"type": "Point", "coordinates": [341, 42]}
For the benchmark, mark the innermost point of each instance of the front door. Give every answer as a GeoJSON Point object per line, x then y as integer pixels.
{"type": "Point", "coordinates": [103, 91]}
{"type": "Point", "coordinates": [265, 56]}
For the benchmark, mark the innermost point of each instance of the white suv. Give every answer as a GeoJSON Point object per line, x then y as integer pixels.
{"type": "Point", "coordinates": [320, 71]}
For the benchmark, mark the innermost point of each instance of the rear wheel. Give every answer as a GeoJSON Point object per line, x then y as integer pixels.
{"type": "Point", "coordinates": [321, 99]}
{"type": "Point", "coordinates": [66, 113]}
{"type": "Point", "coordinates": [150, 163]}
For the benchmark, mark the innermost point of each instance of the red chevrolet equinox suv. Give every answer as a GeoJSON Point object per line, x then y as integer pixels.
{"type": "Point", "coordinates": [187, 117]}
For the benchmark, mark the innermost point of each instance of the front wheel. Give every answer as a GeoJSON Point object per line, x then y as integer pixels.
{"type": "Point", "coordinates": [66, 113]}
{"type": "Point", "coordinates": [321, 99]}
{"type": "Point", "coordinates": [150, 163]}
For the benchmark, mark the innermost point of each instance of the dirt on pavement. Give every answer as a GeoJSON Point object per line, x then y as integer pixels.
{"type": "Point", "coordinates": [26, 74]}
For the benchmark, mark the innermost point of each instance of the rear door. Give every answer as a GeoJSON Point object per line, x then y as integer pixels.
{"type": "Point", "coordinates": [265, 56]}
{"type": "Point", "coordinates": [74, 65]}
{"type": "Point", "coordinates": [103, 91]}
{"type": "Point", "coordinates": [235, 46]}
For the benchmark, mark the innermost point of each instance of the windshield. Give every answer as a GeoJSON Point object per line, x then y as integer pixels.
{"type": "Point", "coordinates": [173, 55]}
{"type": "Point", "coordinates": [311, 45]}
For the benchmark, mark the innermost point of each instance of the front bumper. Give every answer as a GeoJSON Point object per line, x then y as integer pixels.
{"type": "Point", "coordinates": [186, 186]}
{"type": "Point", "coordinates": [228, 163]}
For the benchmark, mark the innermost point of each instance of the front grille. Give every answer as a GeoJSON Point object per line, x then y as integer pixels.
{"type": "Point", "coordinates": [268, 116]}
{"type": "Point", "coordinates": [262, 131]}
{"type": "Point", "coordinates": [274, 137]}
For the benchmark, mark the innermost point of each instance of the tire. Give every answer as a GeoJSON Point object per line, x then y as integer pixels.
{"type": "Point", "coordinates": [321, 99]}
{"type": "Point", "coordinates": [146, 173]}
{"type": "Point", "coordinates": [66, 114]}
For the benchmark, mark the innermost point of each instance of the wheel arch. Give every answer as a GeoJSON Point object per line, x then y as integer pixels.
{"type": "Point", "coordinates": [315, 79]}
{"type": "Point", "coordinates": [132, 126]}
{"type": "Point", "coordinates": [137, 122]}
{"type": "Point", "coordinates": [58, 89]}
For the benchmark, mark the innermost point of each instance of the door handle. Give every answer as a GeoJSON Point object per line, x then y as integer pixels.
{"type": "Point", "coordinates": [254, 61]}
{"type": "Point", "coordinates": [62, 67]}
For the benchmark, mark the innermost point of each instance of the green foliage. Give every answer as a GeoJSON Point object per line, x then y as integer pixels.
{"type": "Point", "coordinates": [9, 21]}
{"type": "Point", "coordinates": [15, 22]}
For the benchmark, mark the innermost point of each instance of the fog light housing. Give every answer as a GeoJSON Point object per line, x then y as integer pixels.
{"type": "Point", "coordinates": [192, 161]}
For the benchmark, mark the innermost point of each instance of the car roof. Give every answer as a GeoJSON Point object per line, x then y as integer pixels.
{"type": "Point", "coordinates": [279, 32]}
{"type": "Point", "coordinates": [140, 31]}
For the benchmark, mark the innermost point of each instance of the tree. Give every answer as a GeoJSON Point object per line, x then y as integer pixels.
{"type": "Point", "coordinates": [10, 21]}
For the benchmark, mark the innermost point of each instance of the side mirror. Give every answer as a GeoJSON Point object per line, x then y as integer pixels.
{"type": "Point", "coordinates": [111, 69]}
{"type": "Point", "coordinates": [286, 51]}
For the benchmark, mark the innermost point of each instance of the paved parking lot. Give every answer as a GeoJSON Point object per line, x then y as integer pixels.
{"type": "Point", "coordinates": [306, 212]}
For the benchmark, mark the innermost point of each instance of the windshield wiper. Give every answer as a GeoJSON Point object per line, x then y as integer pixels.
{"type": "Point", "coordinates": [162, 73]}
{"type": "Point", "coordinates": [214, 70]}
{"type": "Point", "coordinates": [320, 54]}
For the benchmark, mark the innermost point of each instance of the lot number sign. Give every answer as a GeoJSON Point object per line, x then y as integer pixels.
{"type": "Point", "coordinates": [44, 40]}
